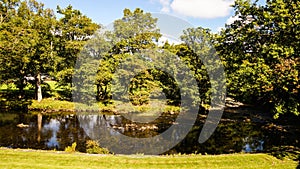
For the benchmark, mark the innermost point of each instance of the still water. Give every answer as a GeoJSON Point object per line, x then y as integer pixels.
{"type": "Point", "coordinates": [57, 131]}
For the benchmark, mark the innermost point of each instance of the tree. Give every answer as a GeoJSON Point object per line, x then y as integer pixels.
{"type": "Point", "coordinates": [74, 29]}
{"type": "Point", "coordinates": [197, 47]}
{"type": "Point", "coordinates": [132, 34]}
{"type": "Point", "coordinates": [26, 39]}
{"type": "Point", "coordinates": [198, 53]}
{"type": "Point", "coordinates": [261, 54]}
{"type": "Point", "coordinates": [133, 40]}
{"type": "Point", "coordinates": [42, 24]}
{"type": "Point", "coordinates": [11, 43]}
{"type": "Point", "coordinates": [135, 31]}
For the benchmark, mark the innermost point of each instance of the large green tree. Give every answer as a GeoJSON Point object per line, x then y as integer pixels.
{"type": "Point", "coordinates": [26, 41]}
{"type": "Point", "coordinates": [260, 51]}
{"type": "Point", "coordinates": [134, 32]}
{"type": "Point", "coordinates": [9, 31]}
{"type": "Point", "coordinates": [74, 30]}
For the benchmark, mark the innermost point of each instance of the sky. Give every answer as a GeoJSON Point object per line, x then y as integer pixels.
{"type": "Point", "coordinates": [212, 14]}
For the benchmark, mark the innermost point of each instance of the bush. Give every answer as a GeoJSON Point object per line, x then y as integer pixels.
{"type": "Point", "coordinates": [71, 149]}
{"type": "Point", "coordinates": [93, 147]}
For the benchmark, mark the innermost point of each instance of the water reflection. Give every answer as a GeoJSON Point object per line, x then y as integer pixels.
{"type": "Point", "coordinates": [58, 131]}
{"type": "Point", "coordinates": [251, 145]}
{"type": "Point", "coordinates": [124, 137]}
{"type": "Point", "coordinates": [39, 121]}
{"type": "Point", "coordinates": [53, 126]}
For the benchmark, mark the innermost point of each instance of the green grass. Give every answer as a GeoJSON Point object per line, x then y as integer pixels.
{"type": "Point", "coordinates": [49, 103]}
{"type": "Point", "coordinates": [47, 159]}
{"type": "Point", "coordinates": [52, 104]}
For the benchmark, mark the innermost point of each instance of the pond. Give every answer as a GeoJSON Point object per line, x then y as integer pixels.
{"type": "Point", "coordinates": [59, 130]}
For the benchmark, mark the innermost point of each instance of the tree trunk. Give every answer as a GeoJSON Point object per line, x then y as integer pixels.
{"type": "Point", "coordinates": [38, 87]}
{"type": "Point", "coordinates": [21, 88]}
{"type": "Point", "coordinates": [98, 92]}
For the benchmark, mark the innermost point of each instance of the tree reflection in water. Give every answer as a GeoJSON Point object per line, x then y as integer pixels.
{"type": "Point", "coordinates": [59, 131]}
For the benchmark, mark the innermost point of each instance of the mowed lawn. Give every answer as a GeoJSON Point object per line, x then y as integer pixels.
{"type": "Point", "coordinates": [47, 159]}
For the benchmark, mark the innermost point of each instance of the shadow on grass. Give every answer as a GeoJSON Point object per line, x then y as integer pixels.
{"type": "Point", "coordinates": [289, 152]}
{"type": "Point", "coordinates": [10, 99]}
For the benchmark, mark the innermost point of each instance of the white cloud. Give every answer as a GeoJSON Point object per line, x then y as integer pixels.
{"type": "Point", "coordinates": [165, 5]}
{"type": "Point", "coordinates": [231, 19]}
{"type": "Point", "coordinates": [198, 8]}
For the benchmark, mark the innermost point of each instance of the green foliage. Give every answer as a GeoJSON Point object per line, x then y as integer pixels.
{"type": "Point", "coordinates": [74, 30]}
{"type": "Point", "coordinates": [93, 147]}
{"type": "Point", "coordinates": [131, 44]}
{"type": "Point", "coordinates": [71, 149]}
{"type": "Point", "coordinates": [36, 42]}
{"type": "Point", "coordinates": [260, 51]}
{"type": "Point", "coordinates": [198, 53]}
{"type": "Point", "coordinates": [135, 32]}
{"type": "Point", "coordinates": [26, 37]}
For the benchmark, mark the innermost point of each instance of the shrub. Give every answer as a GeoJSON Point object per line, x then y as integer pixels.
{"type": "Point", "coordinates": [93, 147]}
{"type": "Point", "coordinates": [71, 149]}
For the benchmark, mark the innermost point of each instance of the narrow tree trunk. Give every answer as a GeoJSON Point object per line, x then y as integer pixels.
{"type": "Point", "coordinates": [21, 88]}
{"type": "Point", "coordinates": [38, 87]}
{"type": "Point", "coordinates": [21, 96]}
{"type": "Point", "coordinates": [98, 92]}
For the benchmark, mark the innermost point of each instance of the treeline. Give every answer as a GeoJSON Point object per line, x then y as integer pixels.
{"type": "Point", "coordinates": [260, 53]}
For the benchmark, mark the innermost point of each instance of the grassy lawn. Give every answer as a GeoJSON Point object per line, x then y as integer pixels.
{"type": "Point", "coordinates": [47, 159]}
{"type": "Point", "coordinates": [49, 103]}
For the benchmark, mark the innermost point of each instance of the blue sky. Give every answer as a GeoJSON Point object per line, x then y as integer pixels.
{"type": "Point", "coordinates": [212, 14]}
